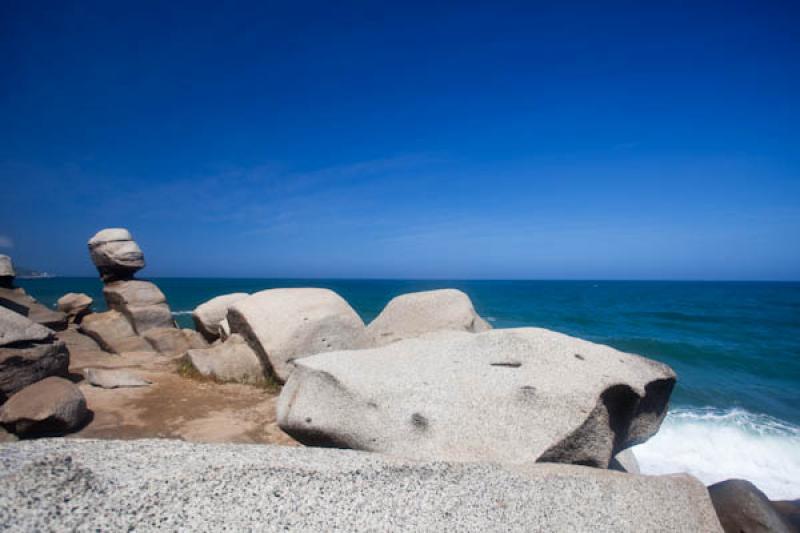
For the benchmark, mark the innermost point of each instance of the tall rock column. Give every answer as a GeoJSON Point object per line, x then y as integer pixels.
{"type": "Point", "coordinates": [117, 258]}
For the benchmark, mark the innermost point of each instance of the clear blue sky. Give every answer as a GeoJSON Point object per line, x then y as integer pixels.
{"type": "Point", "coordinates": [635, 140]}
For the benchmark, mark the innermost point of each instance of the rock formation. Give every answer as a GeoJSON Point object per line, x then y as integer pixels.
{"type": "Point", "coordinates": [75, 306]}
{"type": "Point", "coordinates": [509, 396]}
{"type": "Point", "coordinates": [173, 341]}
{"type": "Point", "coordinates": [414, 314]}
{"type": "Point", "coordinates": [113, 379]}
{"type": "Point", "coordinates": [174, 485]}
{"type": "Point", "coordinates": [232, 360]}
{"type": "Point", "coordinates": [29, 353]}
{"type": "Point", "coordinates": [740, 506]}
{"type": "Point", "coordinates": [52, 406]}
{"type": "Point", "coordinates": [115, 254]}
{"type": "Point", "coordinates": [282, 325]}
{"type": "Point", "coordinates": [208, 316]}
{"type": "Point", "coordinates": [17, 300]}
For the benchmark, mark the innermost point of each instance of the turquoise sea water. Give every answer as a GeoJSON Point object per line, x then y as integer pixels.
{"type": "Point", "coordinates": [734, 345]}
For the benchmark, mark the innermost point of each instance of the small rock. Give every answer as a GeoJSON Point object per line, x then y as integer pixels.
{"type": "Point", "coordinates": [113, 379]}
{"type": "Point", "coordinates": [115, 254]}
{"type": "Point", "coordinates": [232, 360]}
{"type": "Point", "coordinates": [741, 507]}
{"type": "Point", "coordinates": [75, 306]}
{"type": "Point", "coordinates": [20, 302]}
{"type": "Point", "coordinates": [208, 316]}
{"type": "Point", "coordinates": [53, 406]}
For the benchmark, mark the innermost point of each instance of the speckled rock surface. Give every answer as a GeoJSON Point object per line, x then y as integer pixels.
{"type": "Point", "coordinates": [511, 396]}
{"type": "Point", "coordinates": [66, 484]}
{"type": "Point", "coordinates": [417, 313]}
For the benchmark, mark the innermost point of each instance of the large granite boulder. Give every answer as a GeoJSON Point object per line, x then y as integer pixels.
{"type": "Point", "coordinates": [171, 485]}
{"type": "Point", "coordinates": [232, 360]}
{"type": "Point", "coordinates": [115, 254]}
{"type": "Point", "coordinates": [414, 314]}
{"type": "Point", "coordinates": [282, 325]}
{"type": "Point", "coordinates": [112, 331]}
{"type": "Point", "coordinates": [208, 316]}
{"type": "Point", "coordinates": [53, 406]}
{"type": "Point", "coordinates": [173, 341]}
{"type": "Point", "coordinates": [28, 353]}
{"type": "Point", "coordinates": [7, 273]}
{"type": "Point", "coordinates": [75, 305]}
{"type": "Point", "coordinates": [142, 302]}
{"type": "Point", "coordinates": [20, 302]}
{"type": "Point", "coordinates": [509, 396]}
{"type": "Point", "coordinates": [740, 506]}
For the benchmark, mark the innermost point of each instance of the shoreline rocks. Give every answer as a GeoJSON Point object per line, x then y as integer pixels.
{"type": "Point", "coordinates": [142, 303]}
{"type": "Point", "coordinates": [510, 396]}
{"type": "Point", "coordinates": [115, 254]}
{"type": "Point", "coordinates": [75, 306]}
{"type": "Point", "coordinates": [230, 361]}
{"type": "Point", "coordinates": [52, 406]}
{"type": "Point", "coordinates": [740, 506]}
{"type": "Point", "coordinates": [208, 316]}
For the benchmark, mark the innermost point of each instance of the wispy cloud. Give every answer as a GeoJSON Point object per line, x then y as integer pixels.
{"type": "Point", "coordinates": [6, 242]}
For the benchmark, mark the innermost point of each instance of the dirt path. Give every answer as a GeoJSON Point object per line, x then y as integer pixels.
{"type": "Point", "coordinates": [173, 406]}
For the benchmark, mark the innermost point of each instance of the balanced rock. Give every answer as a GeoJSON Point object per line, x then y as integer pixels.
{"type": "Point", "coordinates": [75, 306]}
{"type": "Point", "coordinates": [509, 396]}
{"type": "Point", "coordinates": [282, 325]}
{"type": "Point", "coordinates": [112, 331]}
{"type": "Point", "coordinates": [113, 379]}
{"type": "Point", "coordinates": [208, 316]}
{"type": "Point", "coordinates": [24, 365]}
{"type": "Point", "coordinates": [414, 314]}
{"type": "Point", "coordinates": [53, 406]}
{"type": "Point", "coordinates": [115, 254]}
{"type": "Point", "coordinates": [232, 360]}
{"type": "Point", "coordinates": [7, 273]}
{"type": "Point", "coordinates": [142, 302]}
{"type": "Point", "coordinates": [119, 485]}
{"type": "Point", "coordinates": [173, 341]}
{"type": "Point", "coordinates": [20, 302]}
{"type": "Point", "coordinates": [740, 506]}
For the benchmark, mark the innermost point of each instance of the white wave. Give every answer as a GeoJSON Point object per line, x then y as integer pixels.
{"type": "Point", "coordinates": [715, 445]}
{"type": "Point", "coordinates": [177, 313]}
{"type": "Point", "coordinates": [491, 319]}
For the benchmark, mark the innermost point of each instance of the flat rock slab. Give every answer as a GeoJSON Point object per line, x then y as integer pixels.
{"type": "Point", "coordinates": [142, 302]}
{"type": "Point", "coordinates": [173, 485]}
{"type": "Point", "coordinates": [113, 379]}
{"type": "Point", "coordinates": [510, 396]}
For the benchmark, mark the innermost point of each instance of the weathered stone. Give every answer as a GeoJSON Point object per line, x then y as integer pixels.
{"type": "Point", "coordinates": [171, 485]}
{"type": "Point", "coordinates": [16, 329]}
{"type": "Point", "coordinates": [53, 406]}
{"type": "Point", "coordinates": [790, 511]}
{"type": "Point", "coordinates": [142, 302]}
{"type": "Point", "coordinates": [232, 360]}
{"type": "Point", "coordinates": [115, 254]}
{"type": "Point", "coordinates": [20, 302]}
{"type": "Point", "coordinates": [23, 366]}
{"type": "Point", "coordinates": [740, 506]}
{"type": "Point", "coordinates": [510, 396]}
{"type": "Point", "coordinates": [207, 316]}
{"type": "Point", "coordinates": [282, 325]}
{"type": "Point", "coordinates": [196, 340]}
{"type": "Point", "coordinates": [224, 330]}
{"type": "Point", "coordinates": [417, 313]}
{"type": "Point", "coordinates": [75, 306]}
{"type": "Point", "coordinates": [113, 379]}
{"type": "Point", "coordinates": [168, 341]}
{"type": "Point", "coordinates": [112, 331]}
{"type": "Point", "coordinates": [7, 273]}
{"type": "Point", "coordinates": [625, 461]}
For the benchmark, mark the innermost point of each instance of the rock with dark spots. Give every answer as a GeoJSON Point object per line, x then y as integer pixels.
{"type": "Point", "coordinates": [169, 485]}
{"type": "Point", "coordinates": [142, 302]}
{"type": "Point", "coordinates": [18, 329]}
{"type": "Point", "coordinates": [75, 306]}
{"type": "Point", "coordinates": [112, 331]}
{"type": "Point", "coordinates": [172, 341]}
{"type": "Point", "coordinates": [24, 365]}
{"type": "Point", "coordinates": [53, 406]}
{"type": "Point", "coordinates": [113, 379]}
{"type": "Point", "coordinates": [115, 254]}
{"type": "Point", "coordinates": [625, 461]}
{"type": "Point", "coordinates": [7, 273]}
{"type": "Point", "coordinates": [283, 325]}
{"type": "Point", "coordinates": [208, 316]}
{"type": "Point", "coordinates": [510, 396]}
{"type": "Point", "coordinates": [20, 302]}
{"type": "Point", "coordinates": [740, 506]}
{"type": "Point", "coordinates": [417, 313]}
{"type": "Point", "coordinates": [232, 360]}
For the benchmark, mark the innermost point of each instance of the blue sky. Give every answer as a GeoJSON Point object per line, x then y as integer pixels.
{"type": "Point", "coordinates": [596, 140]}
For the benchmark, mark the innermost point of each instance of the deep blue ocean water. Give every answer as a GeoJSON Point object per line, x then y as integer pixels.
{"type": "Point", "coordinates": [734, 345]}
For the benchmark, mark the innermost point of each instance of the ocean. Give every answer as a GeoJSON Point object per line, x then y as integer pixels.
{"type": "Point", "coordinates": [735, 346]}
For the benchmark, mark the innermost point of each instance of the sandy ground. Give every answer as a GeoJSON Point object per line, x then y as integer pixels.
{"type": "Point", "coordinates": [173, 406]}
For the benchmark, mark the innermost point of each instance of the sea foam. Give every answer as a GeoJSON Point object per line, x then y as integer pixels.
{"type": "Point", "coordinates": [715, 445]}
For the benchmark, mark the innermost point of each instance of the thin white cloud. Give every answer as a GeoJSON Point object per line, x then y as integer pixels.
{"type": "Point", "coordinates": [6, 242]}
